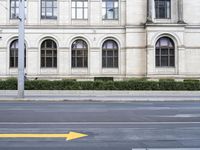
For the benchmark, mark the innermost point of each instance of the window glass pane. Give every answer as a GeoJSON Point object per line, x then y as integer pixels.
{"type": "Point", "coordinates": [104, 4]}
{"type": "Point", "coordinates": [116, 13]}
{"type": "Point", "coordinates": [172, 52]}
{"type": "Point", "coordinates": [104, 13]}
{"type": "Point", "coordinates": [172, 61]}
{"type": "Point", "coordinates": [49, 11]}
{"type": "Point", "coordinates": [48, 53]}
{"type": "Point", "coordinates": [55, 12]}
{"type": "Point", "coordinates": [43, 11]}
{"type": "Point", "coordinates": [157, 51]}
{"type": "Point", "coordinates": [55, 4]}
{"type": "Point", "coordinates": [103, 62]}
{"type": "Point", "coordinates": [110, 4]}
{"type": "Point", "coordinates": [80, 53]}
{"type": "Point", "coordinates": [85, 62]}
{"type": "Point", "coordinates": [110, 62]}
{"type": "Point", "coordinates": [116, 4]}
{"type": "Point", "coordinates": [17, 3]}
{"type": "Point", "coordinates": [115, 62]}
{"type": "Point", "coordinates": [49, 62]}
{"type": "Point", "coordinates": [116, 53]}
{"type": "Point", "coordinates": [79, 4]}
{"type": "Point", "coordinates": [79, 44]}
{"type": "Point", "coordinates": [12, 62]}
{"type": "Point", "coordinates": [49, 43]}
{"type": "Point", "coordinates": [73, 4]}
{"type": "Point", "coordinates": [164, 61]}
{"type": "Point", "coordinates": [79, 13]}
{"type": "Point", "coordinates": [157, 61]}
{"type": "Point", "coordinates": [49, 4]}
{"type": "Point", "coordinates": [110, 53]}
{"type": "Point", "coordinates": [110, 14]}
{"type": "Point", "coordinates": [12, 4]}
{"type": "Point", "coordinates": [43, 3]}
{"type": "Point", "coordinates": [163, 42]}
{"type": "Point", "coordinates": [109, 45]}
{"type": "Point", "coordinates": [164, 51]}
{"type": "Point", "coordinates": [86, 4]}
{"type": "Point", "coordinates": [55, 62]}
{"type": "Point", "coordinates": [79, 62]}
{"type": "Point", "coordinates": [85, 13]}
{"type": "Point", "coordinates": [42, 62]}
{"type": "Point", "coordinates": [73, 62]}
{"type": "Point", "coordinates": [42, 53]}
{"type": "Point", "coordinates": [73, 13]}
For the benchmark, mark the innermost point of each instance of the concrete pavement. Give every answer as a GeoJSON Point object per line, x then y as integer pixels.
{"type": "Point", "coordinates": [103, 95]}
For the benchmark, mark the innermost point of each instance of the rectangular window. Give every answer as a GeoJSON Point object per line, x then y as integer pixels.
{"type": "Point", "coordinates": [14, 9]}
{"type": "Point", "coordinates": [49, 9]}
{"type": "Point", "coordinates": [79, 9]}
{"type": "Point", "coordinates": [163, 9]}
{"type": "Point", "coordinates": [110, 9]}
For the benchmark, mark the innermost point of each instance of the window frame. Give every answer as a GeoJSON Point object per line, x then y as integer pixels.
{"type": "Point", "coordinates": [15, 8]}
{"type": "Point", "coordinates": [83, 8]}
{"type": "Point", "coordinates": [168, 10]}
{"type": "Point", "coordinates": [114, 57]}
{"type": "Point", "coordinates": [54, 54]}
{"type": "Point", "coordinates": [115, 15]}
{"type": "Point", "coordinates": [159, 54]}
{"type": "Point", "coordinates": [54, 15]}
{"type": "Point", "coordinates": [15, 56]}
{"type": "Point", "coordinates": [83, 51]}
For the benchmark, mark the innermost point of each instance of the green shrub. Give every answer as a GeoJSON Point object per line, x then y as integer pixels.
{"type": "Point", "coordinates": [11, 84]}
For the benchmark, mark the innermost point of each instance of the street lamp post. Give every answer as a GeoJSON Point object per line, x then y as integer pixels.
{"type": "Point", "coordinates": [21, 49]}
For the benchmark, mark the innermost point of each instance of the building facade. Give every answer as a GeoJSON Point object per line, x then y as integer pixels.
{"type": "Point", "coordinates": [84, 39]}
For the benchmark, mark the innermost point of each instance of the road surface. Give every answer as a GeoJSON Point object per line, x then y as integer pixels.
{"type": "Point", "coordinates": [110, 126]}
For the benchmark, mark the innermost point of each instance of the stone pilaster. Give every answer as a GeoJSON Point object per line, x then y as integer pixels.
{"type": "Point", "coordinates": [180, 11]}
{"type": "Point", "coordinates": [150, 11]}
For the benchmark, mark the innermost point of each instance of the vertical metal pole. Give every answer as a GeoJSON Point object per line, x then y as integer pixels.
{"type": "Point", "coordinates": [21, 50]}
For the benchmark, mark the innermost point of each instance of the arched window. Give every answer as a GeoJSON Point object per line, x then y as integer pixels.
{"type": "Point", "coordinates": [14, 54]}
{"type": "Point", "coordinates": [110, 54]}
{"type": "Point", "coordinates": [48, 54]}
{"type": "Point", "coordinates": [79, 54]}
{"type": "Point", "coordinates": [163, 9]}
{"type": "Point", "coordinates": [165, 52]}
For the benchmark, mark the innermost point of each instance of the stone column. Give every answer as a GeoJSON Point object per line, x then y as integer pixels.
{"type": "Point", "coordinates": [150, 10]}
{"type": "Point", "coordinates": [180, 11]}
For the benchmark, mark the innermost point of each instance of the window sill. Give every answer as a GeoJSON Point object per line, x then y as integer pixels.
{"type": "Point", "coordinates": [79, 71]}
{"type": "Point", "coordinates": [79, 21]}
{"type": "Point", "coordinates": [165, 70]}
{"type": "Point", "coordinates": [110, 22]}
{"type": "Point", "coordinates": [110, 71]}
{"type": "Point", "coordinates": [48, 70]}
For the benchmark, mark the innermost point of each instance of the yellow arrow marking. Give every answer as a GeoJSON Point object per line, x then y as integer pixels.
{"type": "Point", "coordinates": [69, 136]}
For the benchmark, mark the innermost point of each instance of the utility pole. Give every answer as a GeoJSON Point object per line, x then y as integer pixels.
{"type": "Point", "coordinates": [21, 49]}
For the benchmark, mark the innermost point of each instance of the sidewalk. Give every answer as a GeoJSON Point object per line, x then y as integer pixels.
{"type": "Point", "coordinates": [112, 96]}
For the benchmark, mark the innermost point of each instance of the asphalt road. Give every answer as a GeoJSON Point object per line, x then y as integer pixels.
{"type": "Point", "coordinates": [110, 126]}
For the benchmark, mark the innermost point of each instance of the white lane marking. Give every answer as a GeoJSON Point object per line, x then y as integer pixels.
{"type": "Point", "coordinates": [93, 123]}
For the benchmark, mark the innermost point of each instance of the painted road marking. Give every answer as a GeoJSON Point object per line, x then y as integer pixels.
{"type": "Point", "coordinates": [93, 123]}
{"type": "Point", "coordinates": [68, 137]}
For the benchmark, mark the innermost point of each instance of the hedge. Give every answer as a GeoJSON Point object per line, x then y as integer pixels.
{"type": "Point", "coordinates": [11, 84]}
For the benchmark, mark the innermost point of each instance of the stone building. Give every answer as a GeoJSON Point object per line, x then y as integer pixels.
{"type": "Point", "coordinates": [84, 39]}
